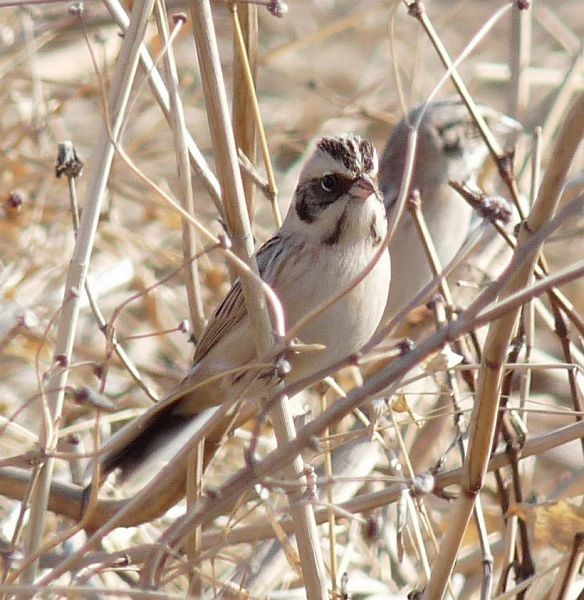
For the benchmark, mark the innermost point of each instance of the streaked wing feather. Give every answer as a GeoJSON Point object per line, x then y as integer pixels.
{"type": "Point", "coordinates": [232, 309]}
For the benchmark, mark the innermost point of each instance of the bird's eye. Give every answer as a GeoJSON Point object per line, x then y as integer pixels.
{"type": "Point", "coordinates": [472, 131]}
{"type": "Point", "coordinates": [328, 183]}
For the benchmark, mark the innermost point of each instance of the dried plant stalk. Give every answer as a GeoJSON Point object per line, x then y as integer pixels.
{"type": "Point", "coordinates": [100, 168]}
{"type": "Point", "coordinates": [67, 499]}
{"type": "Point", "coordinates": [238, 226]}
{"type": "Point", "coordinates": [36, 96]}
{"type": "Point", "coordinates": [244, 127]}
{"type": "Point", "coordinates": [178, 126]}
{"type": "Point", "coordinates": [247, 76]}
{"type": "Point", "coordinates": [197, 160]}
{"type": "Point", "coordinates": [484, 417]}
{"type": "Point", "coordinates": [519, 60]}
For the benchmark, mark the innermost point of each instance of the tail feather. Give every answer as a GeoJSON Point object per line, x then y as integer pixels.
{"type": "Point", "coordinates": [142, 448]}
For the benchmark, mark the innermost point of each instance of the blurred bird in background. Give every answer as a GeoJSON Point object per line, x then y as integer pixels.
{"type": "Point", "coordinates": [449, 147]}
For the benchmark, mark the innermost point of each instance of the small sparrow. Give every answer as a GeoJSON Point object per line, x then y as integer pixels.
{"type": "Point", "coordinates": [333, 229]}
{"type": "Point", "coordinates": [449, 147]}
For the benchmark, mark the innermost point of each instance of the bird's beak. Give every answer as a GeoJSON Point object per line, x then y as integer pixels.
{"type": "Point", "coordinates": [507, 126]}
{"type": "Point", "coordinates": [501, 124]}
{"type": "Point", "coordinates": [363, 187]}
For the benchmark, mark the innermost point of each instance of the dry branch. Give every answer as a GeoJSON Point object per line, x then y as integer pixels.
{"type": "Point", "coordinates": [484, 417]}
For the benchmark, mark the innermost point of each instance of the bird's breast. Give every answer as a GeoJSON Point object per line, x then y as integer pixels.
{"type": "Point", "coordinates": [345, 326]}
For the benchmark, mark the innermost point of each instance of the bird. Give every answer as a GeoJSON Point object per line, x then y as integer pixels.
{"type": "Point", "coordinates": [334, 227]}
{"type": "Point", "coordinates": [449, 147]}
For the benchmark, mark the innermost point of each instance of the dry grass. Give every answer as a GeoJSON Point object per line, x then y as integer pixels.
{"type": "Point", "coordinates": [326, 67]}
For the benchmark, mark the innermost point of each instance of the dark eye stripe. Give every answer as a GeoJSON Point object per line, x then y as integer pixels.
{"type": "Point", "coordinates": [311, 199]}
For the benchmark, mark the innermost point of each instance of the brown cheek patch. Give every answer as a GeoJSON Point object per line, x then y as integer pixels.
{"type": "Point", "coordinates": [304, 208]}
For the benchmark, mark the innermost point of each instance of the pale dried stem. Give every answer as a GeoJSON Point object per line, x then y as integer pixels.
{"type": "Point", "coordinates": [124, 512]}
{"type": "Point", "coordinates": [557, 295]}
{"type": "Point", "coordinates": [476, 315]}
{"type": "Point", "coordinates": [161, 94]}
{"type": "Point", "coordinates": [519, 60]}
{"type": "Point", "coordinates": [561, 102]}
{"type": "Point", "coordinates": [39, 104]}
{"type": "Point", "coordinates": [536, 157]}
{"type": "Point", "coordinates": [101, 164]}
{"type": "Point", "coordinates": [179, 128]}
{"type": "Point", "coordinates": [258, 123]}
{"type": "Point", "coordinates": [101, 322]}
{"type": "Point", "coordinates": [412, 509]}
{"type": "Point", "coordinates": [91, 591]}
{"type": "Point", "coordinates": [178, 125]}
{"type": "Point", "coordinates": [484, 417]}
{"type": "Point", "coordinates": [244, 127]}
{"type": "Point", "coordinates": [480, 523]}
{"type": "Point", "coordinates": [418, 11]}
{"type": "Point", "coordinates": [429, 248]}
{"type": "Point", "coordinates": [510, 539]}
{"type": "Point", "coordinates": [332, 539]}
{"type": "Point", "coordinates": [451, 66]}
{"type": "Point", "coordinates": [66, 498]}
{"type": "Point", "coordinates": [395, 68]}
{"type": "Point", "coordinates": [525, 367]}
{"type": "Point", "coordinates": [222, 244]}
{"type": "Point", "coordinates": [541, 77]}
{"type": "Point", "coordinates": [238, 225]}
{"type": "Point", "coordinates": [526, 583]}
{"type": "Point", "coordinates": [513, 528]}
{"type": "Point", "coordinates": [210, 508]}
{"type": "Point", "coordinates": [548, 18]}
{"type": "Point", "coordinates": [469, 243]}
{"type": "Point", "coordinates": [194, 485]}
{"type": "Point", "coordinates": [569, 570]}
{"type": "Point", "coordinates": [528, 315]}
{"type": "Point", "coordinates": [304, 41]}
{"type": "Point", "coordinates": [88, 503]}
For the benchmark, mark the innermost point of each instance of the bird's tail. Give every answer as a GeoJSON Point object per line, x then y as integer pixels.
{"type": "Point", "coordinates": [142, 448]}
{"type": "Point", "coordinates": [139, 451]}
{"type": "Point", "coordinates": [153, 445]}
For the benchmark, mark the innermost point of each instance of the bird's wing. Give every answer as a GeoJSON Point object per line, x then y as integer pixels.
{"type": "Point", "coordinates": [232, 309]}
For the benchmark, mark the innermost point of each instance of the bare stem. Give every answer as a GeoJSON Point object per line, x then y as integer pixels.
{"type": "Point", "coordinates": [161, 94]}
{"type": "Point", "coordinates": [238, 225]}
{"type": "Point", "coordinates": [119, 95]}
{"type": "Point", "coordinates": [179, 128]}
{"type": "Point", "coordinates": [484, 417]}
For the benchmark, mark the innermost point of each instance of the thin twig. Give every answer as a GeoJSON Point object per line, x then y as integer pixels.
{"type": "Point", "coordinates": [119, 96]}
{"type": "Point", "coordinates": [249, 80]}
{"type": "Point", "coordinates": [519, 61]}
{"type": "Point", "coordinates": [179, 128]}
{"type": "Point", "coordinates": [244, 124]}
{"type": "Point", "coordinates": [161, 94]}
{"type": "Point", "coordinates": [496, 346]}
{"type": "Point", "coordinates": [237, 221]}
